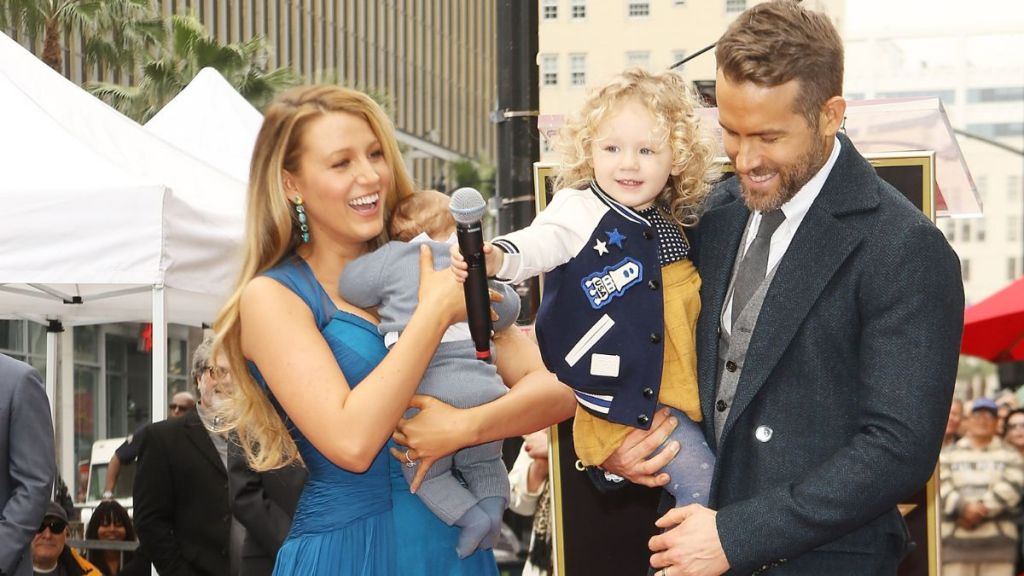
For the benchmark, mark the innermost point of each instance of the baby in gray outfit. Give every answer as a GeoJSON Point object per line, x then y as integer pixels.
{"type": "Point", "coordinates": [470, 488]}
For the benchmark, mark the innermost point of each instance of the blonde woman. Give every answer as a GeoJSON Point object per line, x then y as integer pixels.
{"type": "Point", "coordinates": [317, 382]}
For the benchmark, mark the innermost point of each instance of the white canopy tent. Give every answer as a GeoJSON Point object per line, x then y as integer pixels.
{"type": "Point", "coordinates": [105, 222]}
{"type": "Point", "coordinates": [209, 119]}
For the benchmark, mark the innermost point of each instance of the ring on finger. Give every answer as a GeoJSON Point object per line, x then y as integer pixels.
{"type": "Point", "coordinates": [409, 462]}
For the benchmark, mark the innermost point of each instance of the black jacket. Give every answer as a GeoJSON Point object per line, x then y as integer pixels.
{"type": "Point", "coordinates": [181, 500]}
{"type": "Point", "coordinates": [263, 502]}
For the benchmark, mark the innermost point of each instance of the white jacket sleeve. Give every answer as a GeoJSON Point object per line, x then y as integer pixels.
{"type": "Point", "coordinates": [555, 236]}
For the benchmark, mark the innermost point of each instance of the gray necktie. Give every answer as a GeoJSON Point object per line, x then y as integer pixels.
{"type": "Point", "coordinates": [755, 263]}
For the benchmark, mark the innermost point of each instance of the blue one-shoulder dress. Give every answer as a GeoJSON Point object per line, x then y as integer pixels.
{"type": "Point", "coordinates": [368, 524]}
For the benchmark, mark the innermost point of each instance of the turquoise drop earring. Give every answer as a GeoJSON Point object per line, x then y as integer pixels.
{"type": "Point", "coordinates": [300, 215]}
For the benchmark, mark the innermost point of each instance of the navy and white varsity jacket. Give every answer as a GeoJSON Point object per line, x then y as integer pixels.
{"type": "Point", "coordinates": [601, 320]}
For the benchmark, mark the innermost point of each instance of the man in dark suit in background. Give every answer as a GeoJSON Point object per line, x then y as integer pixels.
{"type": "Point", "coordinates": [264, 502]}
{"type": "Point", "coordinates": [830, 326]}
{"type": "Point", "coordinates": [27, 463]}
{"type": "Point", "coordinates": [181, 485]}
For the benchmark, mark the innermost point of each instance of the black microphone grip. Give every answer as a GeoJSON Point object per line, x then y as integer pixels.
{"type": "Point", "coordinates": [478, 301]}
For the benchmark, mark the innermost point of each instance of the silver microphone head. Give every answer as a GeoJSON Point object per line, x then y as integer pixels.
{"type": "Point", "coordinates": [467, 206]}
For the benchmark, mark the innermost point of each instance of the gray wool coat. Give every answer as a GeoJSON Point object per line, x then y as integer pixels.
{"type": "Point", "coordinates": [851, 365]}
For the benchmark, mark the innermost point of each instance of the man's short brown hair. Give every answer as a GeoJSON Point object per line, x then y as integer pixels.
{"type": "Point", "coordinates": [775, 42]}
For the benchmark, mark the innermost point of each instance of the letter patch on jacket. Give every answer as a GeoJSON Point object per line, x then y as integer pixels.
{"type": "Point", "coordinates": [601, 287]}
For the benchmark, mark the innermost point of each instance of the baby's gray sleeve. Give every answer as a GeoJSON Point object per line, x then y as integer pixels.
{"type": "Point", "coordinates": [508, 308]}
{"type": "Point", "coordinates": [362, 278]}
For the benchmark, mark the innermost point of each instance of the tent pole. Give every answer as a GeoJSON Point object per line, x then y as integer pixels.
{"type": "Point", "coordinates": [66, 441]}
{"type": "Point", "coordinates": [159, 354]}
{"type": "Point", "coordinates": [52, 330]}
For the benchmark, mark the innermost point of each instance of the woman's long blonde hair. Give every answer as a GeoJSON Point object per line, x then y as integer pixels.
{"type": "Point", "coordinates": [673, 103]}
{"type": "Point", "coordinates": [271, 234]}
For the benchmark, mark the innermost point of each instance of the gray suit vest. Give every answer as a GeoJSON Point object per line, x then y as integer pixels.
{"type": "Point", "coordinates": [732, 345]}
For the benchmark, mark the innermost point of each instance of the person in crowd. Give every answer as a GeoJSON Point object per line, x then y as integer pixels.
{"type": "Point", "coordinates": [110, 522]}
{"type": "Point", "coordinates": [1007, 402]}
{"type": "Point", "coordinates": [828, 340]}
{"type": "Point", "coordinates": [1013, 436]}
{"type": "Point", "coordinates": [180, 492]}
{"type": "Point", "coordinates": [530, 496]}
{"type": "Point", "coordinates": [468, 489]}
{"type": "Point", "coordinates": [27, 464]}
{"type": "Point", "coordinates": [50, 552]}
{"type": "Point", "coordinates": [326, 173]}
{"type": "Point", "coordinates": [956, 416]}
{"type": "Point", "coordinates": [128, 451]}
{"type": "Point", "coordinates": [264, 503]}
{"type": "Point", "coordinates": [1013, 432]}
{"type": "Point", "coordinates": [981, 479]}
{"type": "Point", "coordinates": [621, 295]}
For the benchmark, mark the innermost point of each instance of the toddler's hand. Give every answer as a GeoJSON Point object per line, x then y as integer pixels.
{"type": "Point", "coordinates": [492, 256]}
{"type": "Point", "coordinates": [458, 265]}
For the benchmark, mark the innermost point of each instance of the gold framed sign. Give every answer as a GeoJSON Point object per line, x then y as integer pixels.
{"type": "Point", "coordinates": [607, 533]}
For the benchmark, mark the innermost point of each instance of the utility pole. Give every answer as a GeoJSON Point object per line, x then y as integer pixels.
{"type": "Point", "coordinates": [516, 119]}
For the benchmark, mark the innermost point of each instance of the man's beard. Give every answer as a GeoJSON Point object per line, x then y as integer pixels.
{"type": "Point", "coordinates": [791, 178]}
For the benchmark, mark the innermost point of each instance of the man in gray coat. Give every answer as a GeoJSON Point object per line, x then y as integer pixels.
{"type": "Point", "coordinates": [27, 463]}
{"type": "Point", "coordinates": [830, 326]}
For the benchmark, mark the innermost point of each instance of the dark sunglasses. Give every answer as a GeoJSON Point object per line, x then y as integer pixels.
{"type": "Point", "coordinates": [56, 526]}
{"type": "Point", "coordinates": [178, 407]}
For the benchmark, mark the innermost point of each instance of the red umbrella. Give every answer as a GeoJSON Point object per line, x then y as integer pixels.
{"type": "Point", "coordinates": [994, 327]}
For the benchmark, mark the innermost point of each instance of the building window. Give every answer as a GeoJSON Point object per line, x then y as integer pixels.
{"type": "Point", "coordinates": [735, 5]}
{"type": "Point", "coordinates": [578, 69]}
{"type": "Point", "coordinates": [549, 69]}
{"type": "Point", "coordinates": [1013, 189]}
{"type": "Point", "coordinates": [965, 270]}
{"type": "Point", "coordinates": [550, 9]}
{"type": "Point", "coordinates": [981, 183]}
{"type": "Point", "coordinates": [997, 129]}
{"type": "Point", "coordinates": [947, 96]}
{"type": "Point", "coordinates": [1002, 94]}
{"type": "Point", "coordinates": [678, 56]}
{"type": "Point", "coordinates": [638, 59]}
{"type": "Point", "coordinates": [1012, 228]}
{"type": "Point", "coordinates": [639, 9]}
{"type": "Point", "coordinates": [578, 10]}
{"type": "Point", "coordinates": [25, 341]}
{"type": "Point", "coordinates": [679, 2]}
{"type": "Point", "coordinates": [965, 232]}
{"type": "Point", "coordinates": [951, 231]}
{"type": "Point", "coordinates": [979, 232]}
{"type": "Point", "coordinates": [1011, 268]}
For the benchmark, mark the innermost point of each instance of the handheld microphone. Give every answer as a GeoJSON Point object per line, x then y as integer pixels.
{"type": "Point", "coordinates": [468, 207]}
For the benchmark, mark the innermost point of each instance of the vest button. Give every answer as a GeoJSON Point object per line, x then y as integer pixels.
{"type": "Point", "coordinates": [647, 235]}
{"type": "Point", "coordinates": [721, 405]}
{"type": "Point", "coordinates": [655, 338]}
{"type": "Point", "coordinates": [648, 393]}
{"type": "Point", "coordinates": [642, 419]}
{"type": "Point", "coordinates": [731, 366]}
{"type": "Point", "coordinates": [652, 284]}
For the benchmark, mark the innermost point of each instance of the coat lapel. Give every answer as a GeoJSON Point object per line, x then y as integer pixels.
{"type": "Point", "coordinates": [198, 436]}
{"type": "Point", "coordinates": [721, 229]}
{"type": "Point", "coordinates": [819, 248]}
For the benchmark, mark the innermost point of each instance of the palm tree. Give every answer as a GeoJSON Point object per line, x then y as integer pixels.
{"type": "Point", "coordinates": [190, 49]}
{"type": "Point", "coordinates": [113, 32]}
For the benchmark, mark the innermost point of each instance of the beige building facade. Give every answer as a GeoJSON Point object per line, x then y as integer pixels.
{"type": "Point", "coordinates": [434, 59]}
{"type": "Point", "coordinates": [967, 55]}
{"type": "Point", "coordinates": [582, 43]}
